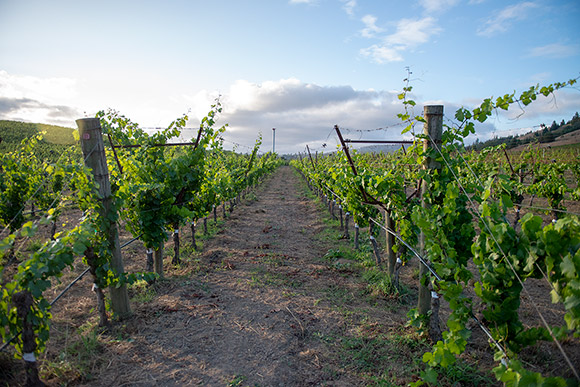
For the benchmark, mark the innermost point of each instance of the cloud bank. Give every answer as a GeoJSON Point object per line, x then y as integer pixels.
{"type": "Point", "coordinates": [33, 99]}
{"type": "Point", "coordinates": [302, 113]}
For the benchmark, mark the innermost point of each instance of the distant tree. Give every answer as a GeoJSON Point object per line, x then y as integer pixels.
{"type": "Point", "coordinates": [547, 137]}
{"type": "Point", "coordinates": [512, 143]}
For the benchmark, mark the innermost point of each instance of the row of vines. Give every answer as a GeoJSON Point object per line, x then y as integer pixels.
{"type": "Point", "coordinates": [155, 190]}
{"type": "Point", "coordinates": [473, 218]}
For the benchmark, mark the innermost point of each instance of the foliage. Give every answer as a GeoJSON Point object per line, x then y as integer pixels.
{"type": "Point", "coordinates": [464, 187]}
{"type": "Point", "coordinates": [157, 188]}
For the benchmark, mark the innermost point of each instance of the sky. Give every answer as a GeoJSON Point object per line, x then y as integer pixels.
{"type": "Point", "coordinates": [300, 66]}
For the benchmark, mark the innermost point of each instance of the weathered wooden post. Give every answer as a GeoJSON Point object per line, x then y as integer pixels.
{"type": "Point", "coordinates": [176, 259]}
{"type": "Point", "coordinates": [23, 301]}
{"type": "Point", "coordinates": [94, 154]}
{"type": "Point", "coordinates": [158, 261]}
{"type": "Point", "coordinates": [193, 240]}
{"type": "Point", "coordinates": [91, 258]}
{"type": "Point", "coordinates": [391, 257]}
{"type": "Point", "coordinates": [433, 129]}
{"type": "Point", "coordinates": [149, 262]}
{"type": "Point", "coordinates": [376, 251]}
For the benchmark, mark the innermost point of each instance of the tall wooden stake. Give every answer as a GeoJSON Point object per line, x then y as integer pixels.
{"type": "Point", "coordinates": [23, 301]}
{"type": "Point", "coordinates": [95, 158]}
{"type": "Point", "coordinates": [433, 129]}
{"type": "Point", "coordinates": [391, 257]}
{"type": "Point", "coordinates": [158, 260]}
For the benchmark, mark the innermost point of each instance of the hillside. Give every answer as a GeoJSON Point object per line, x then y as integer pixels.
{"type": "Point", "coordinates": [565, 133]}
{"type": "Point", "coordinates": [55, 139]}
{"type": "Point", "coordinates": [15, 132]}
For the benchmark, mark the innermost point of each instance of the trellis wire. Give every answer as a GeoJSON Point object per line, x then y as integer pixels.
{"type": "Point", "coordinates": [509, 263]}
{"type": "Point", "coordinates": [434, 273]}
{"type": "Point", "coordinates": [36, 191]}
{"type": "Point", "coordinates": [66, 289]}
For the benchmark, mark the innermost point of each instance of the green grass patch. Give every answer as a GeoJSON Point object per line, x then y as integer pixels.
{"type": "Point", "coordinates": [141, 292]}
{"type": "Point", "coordinates": [79, 359]}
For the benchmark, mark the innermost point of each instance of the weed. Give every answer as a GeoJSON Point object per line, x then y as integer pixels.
{"type": "Point", "coordinates": [381, 282]}
{"type": "Point", "coordinates": [251, 197]}
{"type": "Point", "coordinates": [78, 359]}
{"type": "Point", "coordinates": [460, 373]}
{"type": "Point", "coordinates": [34, 245]}
{"type": "Point", "coordinates": [142, 292]}
{"type": "Point", "coordinates": [237, 381]}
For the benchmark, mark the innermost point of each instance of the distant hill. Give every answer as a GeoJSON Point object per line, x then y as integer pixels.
{"type": "Point", "coordinates": [16, 131]}
{"type": "Point", "coordinates": [565, 133]}
{"type": "Point", "coordinates": [54, 142]}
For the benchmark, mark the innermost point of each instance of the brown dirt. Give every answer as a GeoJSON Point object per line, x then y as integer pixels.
{"type": "Point", "coordinates": [260, 305]}
{"type": "Point", "coordinates": [248, 316]}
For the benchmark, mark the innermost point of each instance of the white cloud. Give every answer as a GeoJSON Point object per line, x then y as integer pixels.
{"type": "Point", "coordinates": [33, 99]}
{"type": "Point", "coordinates": [409, 34]}
{"type": "Point", "coordinates": [55, 89]}
{"type": "Point", "coordinates": [349, 6]}
{"type": "Point", "coordinates": [437, 5]}
{"type": "Point", "coordinates": [371, 28]}
{"type": "Point", "coordinates": [302, 113]}
{"type": "Point", "coordinates": [555, 50]}
{"type": "Point", "coordinates": [303, 1]}
{"type": "Point", "coordinates": [383, 54]}
{"type": "Point", "coordinates": [503, 19]}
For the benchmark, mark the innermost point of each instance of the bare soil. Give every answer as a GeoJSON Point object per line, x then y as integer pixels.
{"type": "Point", "coordinates": [261, 304]}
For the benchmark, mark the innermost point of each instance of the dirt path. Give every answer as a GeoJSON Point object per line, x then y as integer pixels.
{"type": "Point", "coordinates": [263, 304]}
{"type": "Point", "coordinates": [252, 316]}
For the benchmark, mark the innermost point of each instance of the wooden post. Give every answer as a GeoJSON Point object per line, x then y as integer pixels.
{"type": "Point", "coordinates": [391, 258]}
{"type": "Point", "coordinates": [95, 158]}
{"type": "Point", "coordinates": [376, 251]}
{"type": "Point", "coordinates": [433, 129]}
{"type": "Point", "coordinates": [91, 260]}
{"type": "Point", "coordinates": [149, 262]}
{"type": "Point", "coordinates": [23, 301]}
{"type": "Point", "coordinates": [356, 235]}
{"type": "Point", "coordinates": [193, 241]}
{"type": "Point", "coordinates": [346, 221]}
{"type": "Point", "coordinates": [158, 261]}
{"type": "Point", "coordinates": [176, 260]}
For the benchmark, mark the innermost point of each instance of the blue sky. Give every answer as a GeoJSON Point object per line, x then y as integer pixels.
{"type": "Point", "coordinates": [301, 66]}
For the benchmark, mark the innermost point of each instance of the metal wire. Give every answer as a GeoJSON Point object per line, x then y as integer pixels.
{"type": "Point", "coordinates": [35, 192]}
{"type": "Point", "coordinates": [434, 273]}
{"type": "Point", "coordinates": [508, 262]}
{"type": "Point", "coordinates": [67, 288]}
